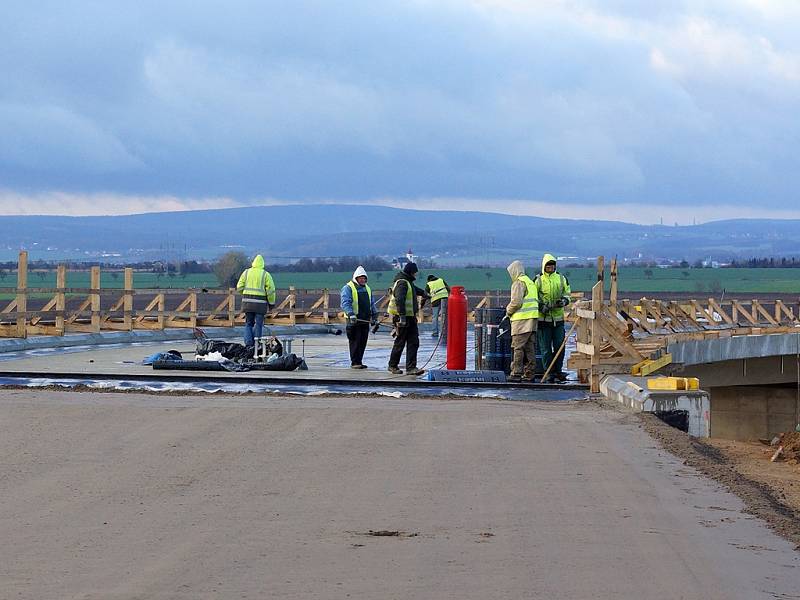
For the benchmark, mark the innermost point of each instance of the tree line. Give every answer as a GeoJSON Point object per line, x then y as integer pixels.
{"type": "Point", "coordinates": [767, 263]}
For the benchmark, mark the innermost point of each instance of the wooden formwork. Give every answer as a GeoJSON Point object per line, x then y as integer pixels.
{"type": "Point", "coordinates": [96, 309]}
{"type": "Point", "coordinates": [614, 336]}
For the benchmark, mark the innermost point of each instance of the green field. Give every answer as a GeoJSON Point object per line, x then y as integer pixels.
{"type": "Point", "coordinates": [631, 279]}
{"type": "Point", "coordinates": [115, 279]}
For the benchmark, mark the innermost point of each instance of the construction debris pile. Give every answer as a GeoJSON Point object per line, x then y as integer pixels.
{"type": "Point", "coordinates": [220, 355]}
{"type": "Point", "coordinates": [788, 447]}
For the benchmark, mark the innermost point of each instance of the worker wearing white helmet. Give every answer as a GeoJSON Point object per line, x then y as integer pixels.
{"type": "Point", "coordinates": [360, 311]}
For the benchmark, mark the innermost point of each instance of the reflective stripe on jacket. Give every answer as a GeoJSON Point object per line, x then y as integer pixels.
{"type": "Point", "coordinates": [257, 288]}
{"type": "Point", "coordinates": [258, 283]}
{"type": "Point", "coordinates": [409, 303]}
{"type": "Point", "coordinates": [530, 304]}
{"type": "Point", "coordinates": [553, 287]}
{"type": "Point", "coordinates": [354, 289]}
{"type": "Point", "coordinates": [437, 289]}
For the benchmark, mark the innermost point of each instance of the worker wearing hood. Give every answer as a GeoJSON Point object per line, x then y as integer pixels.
{"type": "Point", "coordinates": [554, 295]}
{"type": "Point", "coordinates": [403, 308]}
{"type": "Point", "coordinates": [258, 293]}
{"type": "Point", "coordinates": [358, 306]}
{"type": "Point", "coordinates": [523, 312]}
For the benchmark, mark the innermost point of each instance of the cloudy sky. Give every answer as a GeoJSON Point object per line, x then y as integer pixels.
{"type": "Point", "coordinates": [623, 109]}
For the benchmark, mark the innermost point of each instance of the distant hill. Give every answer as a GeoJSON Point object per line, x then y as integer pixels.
{"type": "Point", "coordinates": [336, 230]}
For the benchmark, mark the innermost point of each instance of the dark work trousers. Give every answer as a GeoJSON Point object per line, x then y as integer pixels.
{"type": "Point", "coordinates": [407, 337]}
{"type": "Point", "coordinates": [550, 337]}
{"type": "Point", "coordinates": [357, 335]}
{"type": "Point", "coordinates": [253, 327]}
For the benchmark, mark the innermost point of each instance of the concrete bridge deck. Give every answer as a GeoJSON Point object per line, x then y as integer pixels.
{"type": "Point", "coordinates": [326, 355]}
{"type": "Point", "coordinates": [147, 496]}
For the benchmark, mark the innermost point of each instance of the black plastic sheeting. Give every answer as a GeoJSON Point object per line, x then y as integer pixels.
{"type": "Point", "coordinates": [287, 362]}
{"type": "Point", "coordinates": [497, 393]}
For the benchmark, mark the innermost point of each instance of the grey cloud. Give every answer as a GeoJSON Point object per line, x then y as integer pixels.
{"type": "Point", "coordinates": [318, 100]}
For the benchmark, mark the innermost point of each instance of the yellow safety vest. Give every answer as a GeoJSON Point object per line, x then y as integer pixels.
{"type": "Point", "coordinates": [530, 304]}
{"type": "Point", "coordinates": [552, 287]}
{"type": "Point", "coordinates": [258, 283]}
{"type": "Point", "coordinates": [354, 289]}
{"type": "Point", "coordinates": [438, 289]}
{"type": "Point", "coordinates": [409, 299]}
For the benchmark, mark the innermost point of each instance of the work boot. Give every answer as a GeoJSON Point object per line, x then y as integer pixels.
{"type": "Point", "coordinates": [561, 377]}
{"type": "Point", "coordinates": [358, 367]}
{"type": "Point", "coordinates": [414, 371]}
{"type": "Point", "coordinates": [395, 370]}
{"type": "Point", "coordinates": [514, 379]}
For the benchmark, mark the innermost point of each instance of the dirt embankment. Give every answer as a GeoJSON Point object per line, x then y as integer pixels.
{"type": "Point", "coordinates": [769, 490]}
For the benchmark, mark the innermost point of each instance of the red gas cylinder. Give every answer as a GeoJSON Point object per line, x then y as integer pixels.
{"type": "Point", "coordinates": [457, 329]}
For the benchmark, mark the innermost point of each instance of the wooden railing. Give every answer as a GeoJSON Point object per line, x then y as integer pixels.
{"type": "Point", "coordinates": [94, 309]}
{"type": "Point", "coordinates": [620, 336]}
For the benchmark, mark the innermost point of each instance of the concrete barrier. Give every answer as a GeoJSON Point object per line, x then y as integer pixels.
{"type": "Point", "coordinates": [632, 392]}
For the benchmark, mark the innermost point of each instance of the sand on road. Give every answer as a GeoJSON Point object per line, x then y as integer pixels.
{"type": "Point", "coordinates": [111, 496]}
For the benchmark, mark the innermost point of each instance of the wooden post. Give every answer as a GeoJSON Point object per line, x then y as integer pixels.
{"type": "Point", "coordinates": [326, 304]}
{"type": "Point", "coordinates": [95, 296]}
{"type": "Point", "coordinates": [22, 294]}
{"type": "Point", "coordinates": [292, 302]}
{"type": "Point", "coordinates": [601, 268]}
{"type": "Point", "coordinates": [127, 303]}
{"type": "Point", "coordinates": [612, 298]}
{"type": "Point", "coordinates": [597, 305]}
{"type": "Point", "coordinates": [161, 305]}
{"type": "Point", "coordinates": [231, 307]}
{"type": "Point", "coordinates": [193, 309]}
{"type": "Point", "coordinates": [61, 302]}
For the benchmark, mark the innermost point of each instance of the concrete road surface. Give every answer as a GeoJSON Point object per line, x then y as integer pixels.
{"type": "Point", "coordinates": [112, 496]}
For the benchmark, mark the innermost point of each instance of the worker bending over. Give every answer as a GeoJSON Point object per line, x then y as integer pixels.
{"type": "Point", "coordinates": [359, 308]}
{"type": "Point", "coordinates": [438, 290]}
{"type": "Point", "coordinates": [554, 295]}
{"type": "Point", "coordinates": [258, 293]}
{"type": "Point", "coordinates": [403, 308]}
{"type": "Point", "coordinates": [522, 311]}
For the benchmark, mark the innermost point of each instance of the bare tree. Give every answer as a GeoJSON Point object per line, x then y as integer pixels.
{"type": "Point", "coordinates": [229, 266]}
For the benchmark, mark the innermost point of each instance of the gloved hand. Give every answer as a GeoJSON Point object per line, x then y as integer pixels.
{"type": "Point", "coordinates": [352, 319]}
{"type": "Point", "coordinates": [544, 308]}
{"type": "Point", "coordinates": [373, 321]}
{"type": "Point", "coordinates": [402, 321]}
{"type": "Point", "coordinates": [561, 302]}
{"type": "Point", "coordinates": [505, 325]}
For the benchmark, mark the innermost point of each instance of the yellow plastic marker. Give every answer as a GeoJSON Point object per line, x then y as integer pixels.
{"type": "Point", "coordinates": [673, 384]}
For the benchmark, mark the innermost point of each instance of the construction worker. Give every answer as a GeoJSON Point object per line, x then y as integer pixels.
{"type": "Point", "coordinates": [523, 312]}
{"type": "Point", "coordinates": [438, 290]}
{"type": "Point", "coordinates": [359, 308]}
{"type": "Point", "coordinates": [403, 308]}
{"type": "Point", "coordinates": [554, 295]}
{"type": "Point", "coordinates": [258, 293]}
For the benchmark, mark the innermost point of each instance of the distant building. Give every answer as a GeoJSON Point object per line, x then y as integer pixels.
{"type": "Point", "coordinates": [401, 261]}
